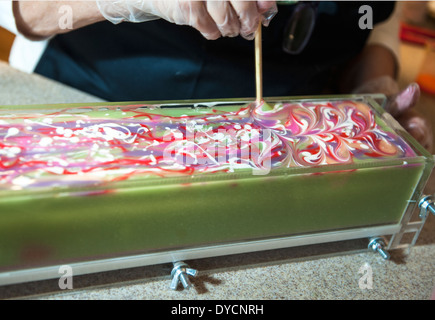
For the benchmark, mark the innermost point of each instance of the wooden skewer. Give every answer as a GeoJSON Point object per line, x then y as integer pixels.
{"type": "Point", "coordinates": [258, 66]}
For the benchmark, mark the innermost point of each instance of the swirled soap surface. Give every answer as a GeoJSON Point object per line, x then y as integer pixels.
{"type": "Point", "coordinates": [83, 146]}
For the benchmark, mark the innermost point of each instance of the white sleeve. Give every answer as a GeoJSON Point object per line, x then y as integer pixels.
{"type": "Point", "coordinates": [7, 20]}
{"type": "Point", "coordinates": [25, 54]}
{"type": "Point", "coordinates": [387, 32]}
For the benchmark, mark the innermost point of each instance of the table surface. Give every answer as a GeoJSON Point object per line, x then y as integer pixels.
{"type": "Point", "coordinates": [276, 274]}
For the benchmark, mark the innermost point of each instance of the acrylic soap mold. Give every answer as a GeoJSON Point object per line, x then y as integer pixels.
{"type": "Point", "coordinates": [104, 186]}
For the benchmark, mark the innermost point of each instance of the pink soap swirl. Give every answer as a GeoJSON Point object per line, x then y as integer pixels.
{"type": "Point", "coordinates": [328, 133]}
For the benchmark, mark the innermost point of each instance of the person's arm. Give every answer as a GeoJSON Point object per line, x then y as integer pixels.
{"type": "Point", "coordinates": [375, 69]}
{"type": "Point", "coordinates": [38, 20]}
{"type": "Point", "coordinates": [377, 66]}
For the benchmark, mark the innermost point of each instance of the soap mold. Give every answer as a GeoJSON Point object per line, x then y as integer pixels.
{"type": "Point", "coordinates": [107, 216]}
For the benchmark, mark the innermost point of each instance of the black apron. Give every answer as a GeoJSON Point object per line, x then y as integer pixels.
{"type": "Point", "coordinates": [158, 60]}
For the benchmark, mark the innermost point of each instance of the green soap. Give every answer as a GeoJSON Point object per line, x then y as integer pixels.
{"type": "Point", "coordinates": [172, 217]}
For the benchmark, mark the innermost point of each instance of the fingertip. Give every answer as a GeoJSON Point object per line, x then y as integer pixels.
{"type": "Point", "coordinates": [250, 36]}
{"type": "Point", "coordinates": [249, 28]}
{"type": "Point", "coordinates": [266, 6]}
{"type": "Point", "coordinates": [414, 86]}
{"type": "Point", "coordinates": [268, 10]}
{"type": "Point", "coordinates": [408, 98]}
{"type": "Point", "coordinates": [211, 36]}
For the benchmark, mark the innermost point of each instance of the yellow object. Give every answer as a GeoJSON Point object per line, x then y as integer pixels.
{"type": "Point", "coordinates": [426, 76]}
{"type": "Point", "coordinates": [6, 40]}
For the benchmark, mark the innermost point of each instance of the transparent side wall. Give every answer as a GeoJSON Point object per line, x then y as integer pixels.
{"type": "Point", "coordinates": [42, 231]}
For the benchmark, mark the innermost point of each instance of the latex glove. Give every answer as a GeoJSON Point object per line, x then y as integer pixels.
{"type": "Point", "coordinates": [400, 104]}
{"type": "Point", "coordinates": [213, 18]}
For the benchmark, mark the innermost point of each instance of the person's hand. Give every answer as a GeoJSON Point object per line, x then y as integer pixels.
{"type": "Point", "coordinates": [401, 106]}
{"type": "Point", "coordinates": [213, 18]}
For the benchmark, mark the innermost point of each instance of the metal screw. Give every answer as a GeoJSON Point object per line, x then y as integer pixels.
{"type": "Point", "coordinates": [180, 273]}
{"type": "Point", "coordinates": [378, 245]}
{"type": "Point", "coordinates": [425, 204]}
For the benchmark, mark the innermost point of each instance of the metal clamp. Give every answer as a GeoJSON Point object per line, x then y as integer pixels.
{"type": "Point", "coordinates": [426, 204]}
{"type": "Point", "coordinates": [377, 245]}
{"type": "Point", "coordinates": [181, 273]}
